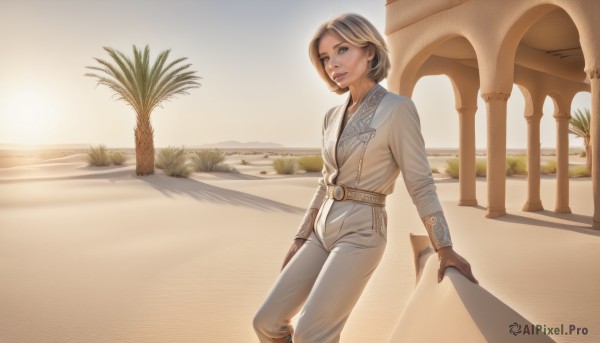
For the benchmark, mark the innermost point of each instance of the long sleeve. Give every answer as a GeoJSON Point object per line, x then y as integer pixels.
{"type": "Point", "coordinates": [408, 148]}
{"type": "Point", "coordinates": [308, 221]}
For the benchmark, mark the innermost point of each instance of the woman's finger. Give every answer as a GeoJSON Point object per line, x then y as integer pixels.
{"type": "Point", "coordinates": [472, 278]}
{"type": "Point", "coordinates": [466, 270]}
{"type": "Point", "coordinates": [463, 268]}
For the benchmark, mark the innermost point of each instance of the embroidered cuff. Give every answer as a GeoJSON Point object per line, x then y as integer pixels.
{"type": "Point", "coordinates": [307, 224]}
{"type": "Point", "coordinates": [438, 231]}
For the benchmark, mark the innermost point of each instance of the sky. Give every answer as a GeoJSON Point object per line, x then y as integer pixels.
{"type": "Point", "coordinates": [257, 81]}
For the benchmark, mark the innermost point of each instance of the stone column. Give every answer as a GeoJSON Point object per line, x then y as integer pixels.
{"type": "Point", "coordinates": [533, 203]}
{"type": "Point", "coordinates": [595, 142]}
{"type": "Point", "coordinates": [562, 162]}
{"type": "Point", "coordinates": [496, 153]}
{"type": "Point", "coordinates": [466, 164]}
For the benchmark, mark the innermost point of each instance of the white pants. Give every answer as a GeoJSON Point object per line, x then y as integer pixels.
{"type": "Point", "coordinates": [327, 275]}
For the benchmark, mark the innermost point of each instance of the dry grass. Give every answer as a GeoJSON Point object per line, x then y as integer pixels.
{"type": "Point", "coordinates": [98, 156]}
{"type": "Point", "coordinates": [285, 165]}
{"type": "Point", "coordinates": [579, 171]}
{"type": "Point", "coordinates": [516, 165]}
{"type": "Point", "coordinates": [173, 162]}
{"type": "Point", "coordinates": [311, 164]}
{"type": "Point", "coordinates": [117, 158]}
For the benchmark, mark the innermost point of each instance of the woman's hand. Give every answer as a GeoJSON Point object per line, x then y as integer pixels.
{"type": "Point", "coordinates": [449, 258]}
{"type": "Point", "coordinates": [298, 242]}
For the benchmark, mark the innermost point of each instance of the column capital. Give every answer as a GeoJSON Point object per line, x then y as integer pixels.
{"type": "Point", "coordinates": [533, 118]}
{"type": "Point", "coordinates": [562, 117]}
{"type": "Point", "coordinates": [495, 96]}
{"type": "Point", "coordinates": [594, 73]}
{"type": "Point", "coordinates": [467, 111]}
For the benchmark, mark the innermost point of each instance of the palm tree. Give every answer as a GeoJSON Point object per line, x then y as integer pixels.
{"type": "Point", "coordinates": [144, 87]}
{"type": "Point", "coordinates": [580, 127]}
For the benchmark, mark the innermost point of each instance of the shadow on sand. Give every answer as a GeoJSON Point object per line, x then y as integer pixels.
{"type": "Point", "coordinates": [204, 192]}
{"type": "Point", "coordinates": [584, 228]}
{"type": "Point", "coordinates": [170, 186]}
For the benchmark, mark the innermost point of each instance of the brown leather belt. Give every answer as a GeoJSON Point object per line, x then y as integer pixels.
{"type": "Point", "coordinates": [340, 193]}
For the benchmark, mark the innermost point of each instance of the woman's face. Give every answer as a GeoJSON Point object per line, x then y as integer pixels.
{"type": "Point", "coordinates": [345, 63]}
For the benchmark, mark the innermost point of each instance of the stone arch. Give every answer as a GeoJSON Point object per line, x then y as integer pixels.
{"type": "Point", "coordinates": [527, 19]}
{"type": "Point", "coordinates": [455, 57]}
{"type": "Point", "coordinates": [518, 51]}
{"type": "Point", "coordinates": [413, 69]}
{"type": "Point", "coordinates": [529, 99]}
{"type": "Point", "coordinates": [562, 102]}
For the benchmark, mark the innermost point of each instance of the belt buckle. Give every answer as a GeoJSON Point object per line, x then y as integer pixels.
{"type": "Point", "coordinates": [339, 192]}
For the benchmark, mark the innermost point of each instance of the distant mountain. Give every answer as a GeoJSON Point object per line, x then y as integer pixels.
{"type": "Point", "coordinates": [237, 145]}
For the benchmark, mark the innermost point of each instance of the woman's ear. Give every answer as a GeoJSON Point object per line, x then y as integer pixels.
{"type": "Point", "coordinates": [370, 52]}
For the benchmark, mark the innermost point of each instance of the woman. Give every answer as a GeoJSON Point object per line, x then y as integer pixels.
{"type": "Point", "coordinates": [367, 141]}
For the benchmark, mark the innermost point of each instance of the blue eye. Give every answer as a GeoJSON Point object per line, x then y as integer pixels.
{"type": "Point", "coordinates": [343, 49]}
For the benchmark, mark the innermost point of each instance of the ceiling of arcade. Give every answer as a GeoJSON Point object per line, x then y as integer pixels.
{"type": "Point", "coordinates": [550, 46]}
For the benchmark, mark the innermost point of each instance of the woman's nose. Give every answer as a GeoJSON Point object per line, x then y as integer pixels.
{"type": "Point", "coordinates": [332, 63]}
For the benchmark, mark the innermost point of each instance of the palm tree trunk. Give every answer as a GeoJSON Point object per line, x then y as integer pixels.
{"type": "Point", "coordinates": [144, 146]}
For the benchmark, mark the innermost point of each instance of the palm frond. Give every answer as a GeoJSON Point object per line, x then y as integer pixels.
{"type": "Point", "coordinates": [172, 84]}
{"type": "Point", "coordinates": [115, 86]}
{"type": "Point", "coordinates": [140, 83]}
{"type": "Point", "coordinates": [129, 67]}
{"type": "Point", "coordinates": [157, 68]}
{"type": "Point", "coordinates": [579, 125]}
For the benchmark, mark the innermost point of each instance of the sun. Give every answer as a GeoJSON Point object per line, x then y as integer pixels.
{"type": "Point", "coordinates": [25, 117]}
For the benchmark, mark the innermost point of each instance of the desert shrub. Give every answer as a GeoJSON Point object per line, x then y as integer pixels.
{"type": "Point", "coordinates": [117, 158]}
{"type": "Point", "coordinates": [179, 169]}
{"type": "Point", "coordinates": [480, 167]}
{"type": "Point", "coordinates": [434, 170]}
{"type": "Point", "coordinates": [224, 168]}
{"type": "Point", "coordinates": [579, 171]}
{"type": "Point", "coordinates": [244, 163]}
{"type": "Point", "coordinates": [313, 163]}
{"type": "Point", "coordinates": [285, 165]}
{"type": "Point", "coordinates": [516, 165]}
{"type": "Point", "coordinates": [207, 160]}
{"type": "Point", "coordinates": [452, 168]}
{"type": "Point", "coordinates": [263, 172]}
{"type": "Point", "coordinates": [98, 156]}
{"type": "Point", "coordinates": [173, 162]}
{"type": "Point", "coordinates": [549, 167]}
{"type": "Point", "coordinates": [167, 156]}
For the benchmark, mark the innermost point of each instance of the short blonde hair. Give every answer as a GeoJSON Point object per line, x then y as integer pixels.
{"type": "Point", "coordinates": [356, 30]}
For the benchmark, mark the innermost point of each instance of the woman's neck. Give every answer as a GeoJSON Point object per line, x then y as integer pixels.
{"type": "Point", "coordinates": [359, 91]}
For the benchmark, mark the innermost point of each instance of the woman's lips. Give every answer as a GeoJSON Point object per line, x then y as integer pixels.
{"type": "Point", "coordinates": [338, 76]}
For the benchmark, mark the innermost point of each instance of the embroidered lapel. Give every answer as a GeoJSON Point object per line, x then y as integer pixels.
{"type": "Point", "coordinates": [334, 133]}
{"type": "Point", "coordinates": [358, 127]}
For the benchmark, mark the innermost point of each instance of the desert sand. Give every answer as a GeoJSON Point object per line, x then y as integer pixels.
{"type": "Point", "coordinates": [97, 254]}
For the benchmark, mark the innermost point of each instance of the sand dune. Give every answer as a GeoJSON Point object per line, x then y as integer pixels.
{"type": "Point", "coordinates": [101, 255]}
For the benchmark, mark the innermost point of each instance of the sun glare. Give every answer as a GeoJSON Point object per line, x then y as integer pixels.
{"type": "Point", "coordinates": [26, 117]}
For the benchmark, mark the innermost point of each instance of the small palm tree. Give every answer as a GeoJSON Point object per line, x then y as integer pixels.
{"type": "Point", "coordinates": [144, 87]}
{"type": "Point", "coordinates": [580, 127]}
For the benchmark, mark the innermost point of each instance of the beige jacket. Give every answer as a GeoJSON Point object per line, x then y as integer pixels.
{"type": "Point", "coordinates": [381, 139]}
